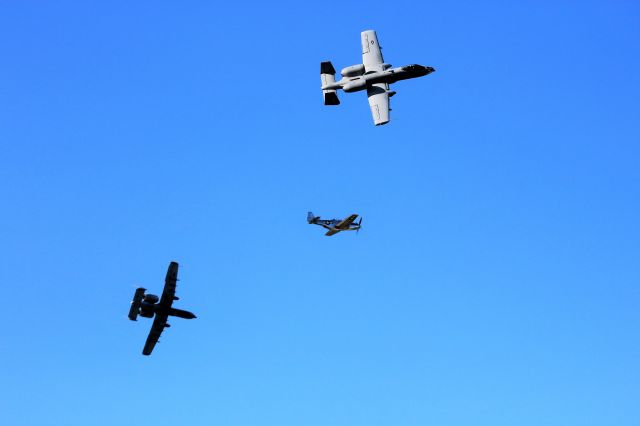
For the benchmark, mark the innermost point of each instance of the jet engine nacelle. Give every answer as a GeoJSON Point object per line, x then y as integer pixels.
{"type": "Point", "coordinates": [355, 86]}
{"type": "Point", "coordinates": [151, 298]}
{"type": "Point", "coordinates": [353, 71]}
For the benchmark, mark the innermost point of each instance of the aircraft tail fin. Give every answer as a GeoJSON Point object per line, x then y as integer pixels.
{"type": "Point", "coordinates": [328, 76]}
{"type": "Point", "coordinates": [135, 303]}
{"type": "Point", "coordinates": [310, 217]}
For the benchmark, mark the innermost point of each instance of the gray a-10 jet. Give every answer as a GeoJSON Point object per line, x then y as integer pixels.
{"type": "Point", "coordinates": [148, 305]}
{"type": "Point", "coordinates": [372, 75]}
{"type": "Point", "coordinates": [335, 225]}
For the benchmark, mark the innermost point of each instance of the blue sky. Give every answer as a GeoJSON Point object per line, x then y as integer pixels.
{"type": "Point", "coordinates": [496, 277]}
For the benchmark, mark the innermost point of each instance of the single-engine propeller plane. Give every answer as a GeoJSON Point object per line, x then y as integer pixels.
{"type": "Point", "coordinates": [335, 225]}
{"type": "Point", "coordinates": [372, 75]}
{"type": "Point", "coordinates": [148, 305]}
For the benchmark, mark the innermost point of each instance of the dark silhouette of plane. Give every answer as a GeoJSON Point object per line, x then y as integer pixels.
{"type": "Point", "coordinates": [148, 305]}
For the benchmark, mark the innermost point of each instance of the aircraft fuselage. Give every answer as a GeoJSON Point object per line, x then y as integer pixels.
{"type": "Point", "coordinates": [157, 309]}
{"type": "Point", "coordinates": [389, 76]}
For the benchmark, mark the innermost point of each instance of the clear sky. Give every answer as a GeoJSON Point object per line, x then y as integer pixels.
{"type": "Point", "coordinates": [495, 281]}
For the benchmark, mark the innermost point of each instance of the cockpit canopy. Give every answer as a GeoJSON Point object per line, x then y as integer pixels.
{"type": "Point", "coordinates": [418, 69]}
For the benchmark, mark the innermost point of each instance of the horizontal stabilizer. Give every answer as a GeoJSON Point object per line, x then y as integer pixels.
{"type": "Point", "coordinates": [328, 78]}
{"type": "Point", "coordinates": [135, 303]}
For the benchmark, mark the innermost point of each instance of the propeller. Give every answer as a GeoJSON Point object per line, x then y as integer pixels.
{"type": "Point", "coordinates": [359, 225]}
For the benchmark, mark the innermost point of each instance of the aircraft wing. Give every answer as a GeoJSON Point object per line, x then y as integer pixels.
{"type": "Point", "coordinates": [332, 232]}
{"type": "Point", "coordinates": [156, 330]}
{"type": "Point", "coordinates": [169, 291]}
{"type": "Point", "coordinates": [348, 221]}
{"type": "Point", "coordinates": [378, 94]}
{"type": "Point", "coordinates": [371, 52]}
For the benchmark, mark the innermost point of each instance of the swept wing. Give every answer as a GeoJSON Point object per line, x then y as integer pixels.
{"type": "Point", "coordinates": [371, 52]}
{"type": "Point", "coordinates": [378, 94]}
{"type": "Point", "coordinates": [169, 291]}
{"type": "Point", "coordinates": [166, 300]}
{"type": "Point", "coordinates": [158, 326]}
{"type": "Point", "coordinates": [345, 223]}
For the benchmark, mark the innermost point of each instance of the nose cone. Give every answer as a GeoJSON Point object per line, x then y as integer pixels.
{"type": "Point", "coordinates": [420, 70]}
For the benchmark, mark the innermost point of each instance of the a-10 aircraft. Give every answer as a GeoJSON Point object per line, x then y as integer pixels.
{"type": "Point", "coordinates": [334, 225]}
{"type": "Point", "coordinates": [372, 75]}
{"type": "Point", "coordinates": [148, 305]}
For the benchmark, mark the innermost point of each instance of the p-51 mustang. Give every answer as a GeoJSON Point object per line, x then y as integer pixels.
{"type": "Point", "coordinates": [372, 75]}
{"type": "Point", "coordinates": [148, 305]}
{"type": "Point", "coordinates": [334, 225]}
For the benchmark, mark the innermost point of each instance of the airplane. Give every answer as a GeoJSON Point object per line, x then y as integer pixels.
{"type": "Point", "coordinates": [372, 75]}
{"type": "Point", "coordinates": [334, 225]}
{"type": "Point", "coordinates": [148, 305]}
